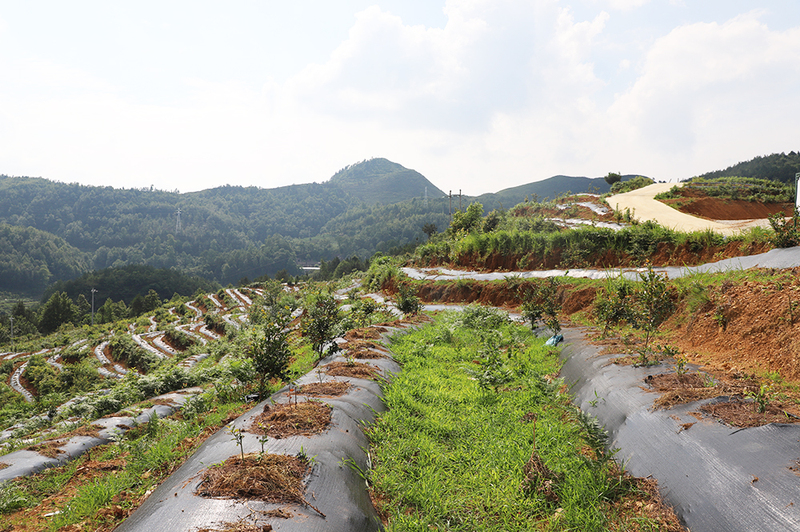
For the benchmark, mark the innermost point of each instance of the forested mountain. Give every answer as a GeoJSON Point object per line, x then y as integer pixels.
{"type": "Point", "coordinates": [382, 181]}
{"type": "Point", "coordinates": [55, 231]}
{"type": "Point", "coordinates": [364, 229]}
{"type": "Point", "coordinates": [776, 167]}
{"type": "Point", "coordinates": [546, 189]}
{"type": "Point", "coordinates": [224, 233]}
{"type": "Point", "coordinates": [33, 258]}
{"type": "Point", "coordinates": [128, 282]}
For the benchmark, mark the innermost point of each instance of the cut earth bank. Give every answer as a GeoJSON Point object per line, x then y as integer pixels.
{"type": "Point", "coordinates": [740, 326]}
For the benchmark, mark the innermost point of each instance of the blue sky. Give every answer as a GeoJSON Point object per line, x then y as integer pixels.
{"type": "Point", "coordinates": [476, 95]}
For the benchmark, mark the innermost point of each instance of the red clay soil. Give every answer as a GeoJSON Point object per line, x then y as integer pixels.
{"type": "Point", "coordinates": [696, 203]}
{"type": "Point", "coordinates": [744, 328]}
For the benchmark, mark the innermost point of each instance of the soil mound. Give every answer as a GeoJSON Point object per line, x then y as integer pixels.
{"type": "Point", "coordinates": [696, 203]}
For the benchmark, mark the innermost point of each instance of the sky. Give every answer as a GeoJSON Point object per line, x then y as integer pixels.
{"type": "Point", "coordinates": [477, 95]}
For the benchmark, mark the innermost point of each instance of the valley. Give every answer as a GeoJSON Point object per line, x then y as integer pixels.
{"type": "Point", "coordinates": [662, 329]}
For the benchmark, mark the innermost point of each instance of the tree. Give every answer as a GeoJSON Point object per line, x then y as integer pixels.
{"type": "Point", "coordinates": [467, 221]}
{"type": "Point", "coordinates": [58, 310]}
{"type": "Point", "coordinates": [612, 178]}
{"type": "Point", "coordinates": [320, 320]}
{"type": "Point", "coordinates": [268, 348]}
{"type": "Point", "coordinates": [429, 229]}
{"type": "Point", "coordinates": [654, 302]}
{"type": "Point", "coordinates": [541, 303]}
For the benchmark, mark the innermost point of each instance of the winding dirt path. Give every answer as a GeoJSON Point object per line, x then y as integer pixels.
{"type": "Point", "coordinates": [644, 207]}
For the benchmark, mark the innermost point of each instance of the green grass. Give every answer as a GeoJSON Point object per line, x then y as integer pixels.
{"type": "Point", "coordinates": [450, 455]}
{"type": "Point", "coordinates": [574, 246]}
{"type": "Point", "coordinates": [149, 453]}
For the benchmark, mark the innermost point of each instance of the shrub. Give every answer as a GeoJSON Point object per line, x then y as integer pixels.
{"type": "Point", "coordinates": [268, 348]}
{"type": "Point", "coordinates": [786, 234]}
{"type": "Point", "coordinates": [614, 303]}
{"type": "Point", "coordinates": [540, 302]}
{"type": "Point", "coordinates": [632, 184]}
{"type": "Point", "coordinates": [320, 320]}
{"type": "Point", "coordinates": [407, 301]}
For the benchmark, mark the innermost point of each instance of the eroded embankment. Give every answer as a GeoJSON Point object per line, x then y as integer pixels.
{"type": "Point", "coordinates": [717, 477]}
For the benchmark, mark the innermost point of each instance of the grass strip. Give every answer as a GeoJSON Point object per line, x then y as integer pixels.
{"type": "Point", "coordinates": [451, 452]}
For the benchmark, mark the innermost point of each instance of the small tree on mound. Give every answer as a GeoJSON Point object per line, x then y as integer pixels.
{"type": "Point", "coordinates": [612, 178]}
{"type": "Point", "coordinates": [540, 303]}
{"type": "Point", "coordinates": [321, 320]}
{"type": "Point", "coordinates": [269, 350]}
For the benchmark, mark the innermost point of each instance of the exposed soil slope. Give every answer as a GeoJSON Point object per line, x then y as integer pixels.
{"type": "Point", "coordinates": [694, 202]}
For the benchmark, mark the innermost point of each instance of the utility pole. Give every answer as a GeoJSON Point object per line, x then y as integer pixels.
{"type": "Point", "coordinates": [796, 198]}
{"type": "Point", "coordinates": [12, 333]}
{"type": "Point", "coordinates": [450, 209]}
{"type": "Point", "coordinates": [178, 222]}
{"type": "Point", "coordinates": [93, 291]}
{"type": "Point", "coordinates": [459, 201]}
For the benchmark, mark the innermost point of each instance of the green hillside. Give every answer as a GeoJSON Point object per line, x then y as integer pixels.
{"type": "Point", "coordinates": [382, 181]}
{"type": "Point", "coordinates": [776, 167]}
{"type": "Point", "coordinates": [31, 259]}
{"type": "Point", "coordinates": [546, 189]}
{"type": "Point", "coordinates": [225, 233]}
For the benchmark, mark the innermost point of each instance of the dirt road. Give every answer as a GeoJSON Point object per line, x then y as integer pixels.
{"type": "Point", "coordinates": [644, 207]}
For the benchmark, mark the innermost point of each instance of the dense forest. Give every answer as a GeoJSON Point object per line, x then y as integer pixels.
{"type": "Point", "coordinates": [224, 233]}
{"type": "Point", "coordinates": [53, 231]}
{"type": "Point", "coordinates": [776, 167]}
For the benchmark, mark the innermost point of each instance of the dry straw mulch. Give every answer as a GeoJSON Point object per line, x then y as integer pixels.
{"type": "Point", "coordinates": [325, 389]}
{"type": "Point", "coordinates": [286, 419]}
{"type": "Point", "coordinates": [352, 369]}
{"type": "Point", "coordinates": [274, 478]}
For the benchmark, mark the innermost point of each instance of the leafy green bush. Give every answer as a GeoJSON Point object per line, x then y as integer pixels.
{"type": "Point", "coordinates": [614, 303]}
{"type": "Point", "coordinates": [407, 301]}
{"type": "Point", "coordinates": [320, 319]}
{"type": "Point", "coordinates": [178, 337]}
{"type": "Point", "coordinates": [540, 302]}
{"type": "Point", "coordinates": [786, 232]}
{"type": "Point", "coordinates": [632, 184]}
{"type": "Point", "coordinates": [268, 348]}
{"type": "Point", "coordinates": [124, 349]}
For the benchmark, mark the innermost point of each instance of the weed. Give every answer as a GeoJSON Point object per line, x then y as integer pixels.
{"type": "Point", "coordinates": [303, 455]}
{"type": "Point", "coordinates": [238, 436]}
{"type": "Point", "coordinates": [593, 402]}
{"type": "Point", "coordinates": [680, 366]}
{"type": "Point", "coordinates": [761, 398]}
{"type": "Point", "coordinates": [720, 317]}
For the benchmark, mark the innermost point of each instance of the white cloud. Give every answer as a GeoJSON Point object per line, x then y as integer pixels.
{"type": "Point", "coordinates": [626, 5]}
{"type": "Point", "coordinates": [711, 88]}
{"type": "Point", "coordinates": [507, 92]}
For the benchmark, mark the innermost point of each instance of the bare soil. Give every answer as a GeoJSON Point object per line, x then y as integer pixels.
{"type": "Point", "coordinates": [694, 202]}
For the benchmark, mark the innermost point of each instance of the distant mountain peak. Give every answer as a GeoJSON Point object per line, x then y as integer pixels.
{"type": "Point", "coordinates": [366, 171]}
{"type": "Point", "coordinates": [380, 180]}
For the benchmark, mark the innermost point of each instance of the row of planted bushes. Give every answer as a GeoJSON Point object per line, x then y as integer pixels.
{"type": "Point", "coordinates": [574, 246]}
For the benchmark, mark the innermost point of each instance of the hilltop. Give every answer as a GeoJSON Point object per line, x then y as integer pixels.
{"type": "Point", "coordinates": [382, 181]}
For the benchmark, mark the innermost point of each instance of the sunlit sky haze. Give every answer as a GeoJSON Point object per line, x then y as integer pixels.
{"type": "Point", "coordinates": [477, 95]}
